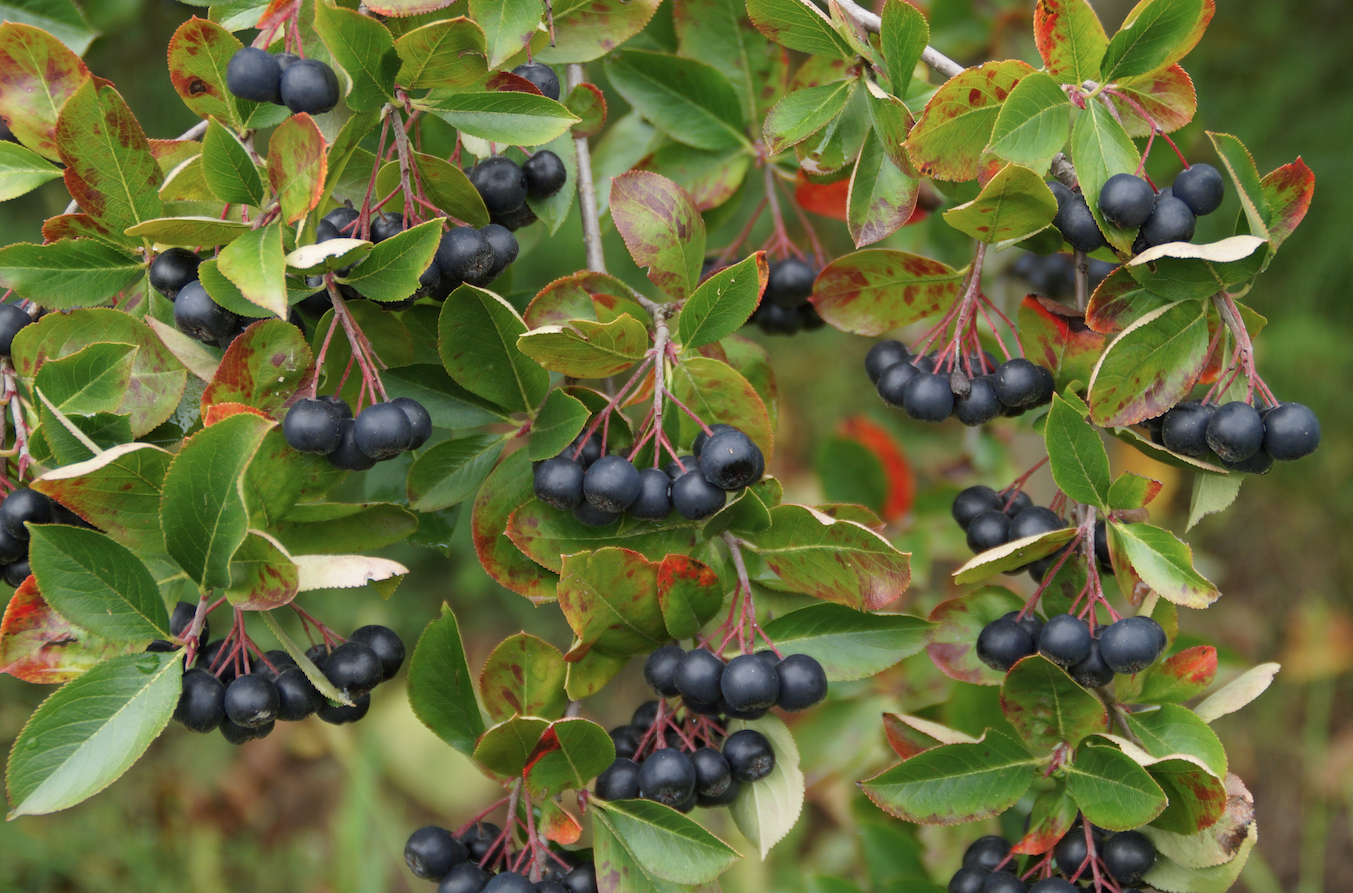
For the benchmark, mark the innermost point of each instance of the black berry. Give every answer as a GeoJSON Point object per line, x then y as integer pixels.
{"type": "Point", "coordinates": [346, 455]}
{"type": "Point", "coordinates": [384, 226]}
{"type": "Point", "coordinates": [387, 645]}
{"type": "Point", "coordinates": [1054, 885]}
{"type": "Point", "coordinates": [612, 484]}
{"type": "Point", "coordinates": [25, 506]}
{"type": "Point", "coordinates": [1200, 187]}
{"type": "Point", "coordinates": [420, 420]}
{"type": "Point", "coordinates": [12, 319]}
{"type": "Point", "coordinates": [201, 705]}
{"type": "Point", "coordinates": [1002, 643]}
{"type": "Point", "coordinates": [16, 573]}
{"type": "Point", "coordinates": [313, 426]}
{"type": "Point", "coordinates": [1003, 882]}
{"type": "Point", "coordinates": [198, 316]}
{"type": "Point", "coordinates": [1071, 850]}
{"type": "Point", "coordinates": [172, 269]}
{"type": "Point", "coordinates": [667, 777]}
{"type": "Point", "coordinates": [749, 755]}
{"type": "Point", "coordinates": [1131, 645]}
{"type": "Point", "coordinates": [309, 86]}
{"type": "Point", "coordinates": [677, 467]}
{"type": "Point", "coordinates": [587, 513]}
{"type": "Point", "coordinates": [980, 405]}
{"type": "Point", "coordinates": [988, 530]}
{"type": "Point", "coordinates": [591, 450]}
{"type": "Point", "coordinates": [1126, 201]}
{"type": "Point", "coordinates": [297, 696]}
{"type": "Point", "coordinates": [1171, 221]}
{"type": "Point", "coordinates": [1128, 856]}
{"type": "Point", "coordinates": [803, 682]}
{"type": "Point", "coordinates": [883, 355]}
{"type": "Point", "coordinates": [1016, 504]}
{"type": "Point", "coordinates": [749, 683]}
{"type": "Point", "coordinates": [1076, 224]}
{"type": "Point", "coordinates": [1034, 521]}
{"type": "Point", "coordinates": [695, 498]}
{"type": "Point", "coordinates": [558, 482]}
{"type": "Point", "coordinates": [382, 431]}
{"type": "Point", "coordinates": [1092, 672]}
{"type": "Point", "coordinates": [725, 799]}
{"type": "Point", "coordinates": [973, 502]}
{"type": "Point", "coordinates": [1065, 640]}
{"type": "Point", "coordinates": [480, 839]}
{"type": "Point", "coordinates": [254, 74]}
{"type": "Point", "coordinates": [464, 255]}
{"type": "Point", "coordinates": [354, 668]}
{"type": "Point", "coordinates": [654, 502]}
{"type": "Point", "coordinates": [928, 398]}
{"type": "Point", "coordinates": [338, 714]}
{"type": "Point", "coordinates": [790, 282]}
{"type": "Point", "coordinates": [712, 774]}
{"type": "Point", "coordinates": [508, 882]}
{"type": "Point", "coordinates": [237, 734]}
{"type": "Point", "coordinates": [620, 781]}
{"type": "Point", "coordinates": [698, 676]}
{"type": "Point", "coordinates": [730, 461]}
{"type": "Point", "coordinates": [504, 246]}
{"type": "Point", "coordinates": [1017, 383]}
{"type": "Point", "coordinates": [542, 75]}
{"type": "Point", "coordinates": [1184, 429]}
{"type": "Point", "coordinates": [582, 879]}
{"type": "Point", "coordinates": [702, 437]}
{"type": "Point", "coordinates": [432, 852]}
{"type": "Point", "coordinates": [987, 852]}
{"type": "Point", "coordinates": [1291, 431]}
{"type": "Point", "coordinates": [467, 877]}
{"type": "Point", "coordinates": [644, 716]}
{"type": "Point", "coordinates": [660, 670]}
{"type": "Point", "coordinates": [501, 183]}
{"type": "Point", "coordinates": [626, 740]}
{"type": "Point", "coordinates": [1235, 432]}
{"type": "Point", "coordinates": [251, 701]}
{"type": "Point", "coordinates": [516, 218]}
{"type": "Point", "coordinates": [545, 174]}
{"type": "Point", "coordinates": [969, 879]}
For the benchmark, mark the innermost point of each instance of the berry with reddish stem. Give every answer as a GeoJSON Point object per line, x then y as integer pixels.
{"type": "Point", "coordinates": [354, 668]}
{"type": "Point", "coordinates": [928, 398]}
{"type": "Point", "coordinates": [626, 740]}
{"type": "Point", "coordinates": [1131, 645]}
{"type": "Point", "coordinates": [988, 852]}
{"type": "Point", "coordinates": [1184, 429]}
{"type": "Point", "coordinates": [974, 501]}
{"type": "Point", "coordinates": [654, 502]}
{"type": "Point", "coordinates": [730, 460]}
{"type": "Point", "coordinates": [1235, 432]}
{"type": "Point", "coordinates": [420, 420]}
{"type": "Point", "coordinates": [699, 676]}
{"type": "Point", "coordinates": [882, 356]}
{"type": "Point", "coordinates": [339, 714]}
{"type": "Point", "coordinates": [501, 183]}
{"type": "Point", "coordinates": [1092, 672]}
{"type": "Point", "coordinates": [251, 701]}
{"type": "Point", "coordinates": [297, 696]}
{"type": "Point", "coordinates": [313, 426]}
{"type": "Point", "coordinates": [1200, 186]}
{"type": "Point", "coordinates": [467, 877]}
{"type": "Point", "coordinates": [346, 455]}
{"type": "Point", "coordinates": [1126, 201]}
{"type": "Point", "coordinates": [749, 684]}
{"type": "Point", "coordinates": [198, 316]}
{"type": "Point", "coordinates": [201, 704]}
{"type": "Point", "coordinates": [790, 282]}
{"type": "Point", "coordinates": [969, 879]}
{"type": "Point", "coordinates": [387, 644]}
{"type": "Point", "coordinates": [382, 431]}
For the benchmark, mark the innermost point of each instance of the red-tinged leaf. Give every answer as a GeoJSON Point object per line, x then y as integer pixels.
{"type": "Point", "coordinates": [1239, 163]}
{"type": "Point", "coordinates": [199, 52]}
{"type": "Point", "coordinates": [689, 594]}
{"type": "Point", "coordinates": [588, 103]}
{"type": "Point", "coordinates": [404, 8]}
{"type": "Point", "coordinates": [110, 170]}
{"type": "Point", "coordinates": [610, 599]}
{"type": "Point", "coordinates": [558, 824]}
{"type": "Point", "coordinates": [524, 675]}
{"type": "Point", "coordinates": [78, 226]}
{"type": "Point", "coordinates": [882, 197]}
{"type": "Point", "coordinates": [589, 29]}
{"type": "Point", "coordinates": [1289, 190]}
{"type": "Point", "coordinates": [716, 391]}
{"type": "Point", "coordinates": [1150, 38]}
{"type": "Point", "coordinates": [1070, 39]}
{"type": "Point", "coordinates": [40, 75]}
{"type": "Point", "coordinates": [1118, 302]}
{"type": "Point", "coordinates": [711, 177]}
{"type": "Point", "coordinates": [507, 82]}
{"type": "Point", "coordinates": [507, 487]}
{"type": "Point", "coordinates": [906, 740]}
{"type": "Point", "coordinates": [1049, 821]}
{"type": "Point", "coordinates": [662, 229]}
{"type": "Point", "coordinates": [571, 297]}
{"type": "Point", "coordinates": [1167, 96]}
{"type": "Point", "coordinates": [897, 470]}
{"type": "Point", "coordinates": [874, 291]}
{"type": "Point", "coordinates": [1181, 677]}
{"type": "Point", "coordinates": [1056, 336]}
{"type": "Point", "coordinates": [1047, 707]}
{"type": "Point", "coordinates": [262, 368]}
{"type": "Point", "coordinates": [947, 141]}
{"type": "Point", "coordinates": [277, 13]}
{"type": "Point", "coordinates": [953, 644]}
{"type": "Point", "coordinates": [824, 199]}
{"type": "Point", "coordinates": [262, 575]}
{"type": "Point", "coordinates": [37, 645]}
{"type": "Point", "coordinates": [1151, 366]}
{"type": "Point", "coordinates": [296, 165]}
{"type": "Point", "coordinates": [219, 412]}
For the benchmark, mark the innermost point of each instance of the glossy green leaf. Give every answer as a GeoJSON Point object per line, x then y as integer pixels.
{"type": "Point", "coordinates": [335, 528]}
{"type": "Point", "coordinates": [959, 119]}
{"type": "Point", "coordinates": [1212, 493]}
{"type": "Point", "coordinates": [262, 368]}
{"type": "Point", "coordinates": [718, 33]}
{"type": "Point", "coordinates": [68, 274]}
{"type": "Point", "coordinates": [477, 340]}
{"type": "Point", "coordinates": [508, 489]}
{"type": "Point", "coordinates": [1013, 205]}
{"type": "Point", "coordinates": [94, 379]}
{"type": "Point", "coordinates": [1013, 555]}
{"type": "Point", "coordinates": [1112, 790]}
{"type": "Point", "coordinates": [804, 112]}
{"type": "Point", "coordinates": [43, 74]}
{"type": "Point", "coordinates": [1184, 271]}
{"type": "Point", "coordinates": [561, 419]}
{"type": "Point", "coordinates": [364, 49]}
{"type": "Point", "coordinates": [1076, 455]}
{"type": "Point", "coordinates": [588, 29]}
{"type": "Point", "coordinates": [450, 53]}
{"type": "Point", "coordinates": [585, 349]}
{"type": "Point", "coordinates": [256, 264]}
{"type": "Point", "coordinates": [799, 25]}
{"type": "Point", "coordinates": [690, 101]}
{"type": "Point", "coordinates": [849, 644]}
{"type": "Point", "coordinates": [903, 36]}
{"type": "Point", "coordinates": [390, 272]}
{"type": "Point", "coordinates": [199, 53]}
{"type": "Point", "coordinates": [1240, 165]}
{"type": "Point", "coordinates": [23, 170]}
{"type": "Point", "coordinates": [1151, 366]}
{"type": "Point", "coordinates": [570, 754]}
{"type": "Point", "coordinates": [523, 675]}
{"type": "Point", "coordinates": [1164, 562]}
{"type": "Point", "coordinates": [1034, 122]}
{"type": "Point", "coordinates": [609, 598]}
{"type": "Point", "coordinates": [1102, 148]}
{"type": "Point", "coordinates": [450, 405]}
{"type": "Point", "coordinates": [507, 747]}
{"type": "Point", "coordinates": [96, 583]}
{"type": "Point", "coordinates": [117, 491]}
{"type": "Point", "coordinates": [665, 843]}
{"type": "Point", "coordinates": [955, 783]}
{"type": "Point", "coordinates": [90, 731]}
{"type": "Point", "coordinates": [1047, 707]}
{"type": "Point", "coordinates": [521, 119]}
{"type": "Point", "coordinates": [441, 688]}
{"type": "Point", "coordinates": [1173, 729]}
{"type": "Point", "coordinates": [953, 643]}
{"type": "Point", "coordinates": [508, 26]}
{"type": "Point", "coordinates": [229, 171]}
{"type": "Point", "coordinates": [451, 471]}
{"type": "Point", "coordinates": [717, 393]}
{"type": "Point", "coordinates": [1070, 39]}
{"type": "Point", "coordinates": [1155, 34]}
{"type": "Point", "coordinates": [689, 594]}
{"type": "Point", "coordinates": [882, 196]}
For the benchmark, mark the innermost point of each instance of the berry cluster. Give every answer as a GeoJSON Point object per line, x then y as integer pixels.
{"type": "Point", "coordinates": [325, 426]}
{"type": "Point", "coordinates": [1242, 438]}
{"type": "Point", "coordinates": [463, 863]}
{"type": "Point", "coordinates": [973, 389]}
{"type": "Point", "coordinates": [660, 759]}
{"type": "Point", "coordinates": [244, 699]}
{"type": "Point", "coordinates": [1125, 857]}
{"type": "Point", "coordinates": [505, 185]}
{"type": "Point", "coordinates": [1054, 275]}
{"type": "Point", "coordinates": [599, 489]}
{"type": "Point", "coordinates": [784, 307]}
{"type": "Point", "coordinates": [25, 506]}
{"type": "Point", "coordinates": [173, 274]}
{"type": "Point", "coordinates": [1130, 202]}
{"type": "Point", "coordinates": [302, 85]}
{"type": "Point", "coordinates": [1126, 646]}
{"type": "Point", "coordinates": [992, 519]}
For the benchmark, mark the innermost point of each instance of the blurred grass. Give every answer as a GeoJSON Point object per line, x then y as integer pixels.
{"type": "Point", "coordinates": [317, 808]}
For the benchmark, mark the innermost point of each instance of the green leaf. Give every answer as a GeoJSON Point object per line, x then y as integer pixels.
{"type": "Point", "coordinates": [903, 36]}
{"type": "Point", "coordinates": [96, 583]}
{"type": "Point", "coordinates": [882, 196]}
{"type": "Point", "coordinates": [803, 113]}
{"type": "Point", "coordinates": [744, 513]}
{"type": "Point", "coordinates": [689, 594]}
{"type": "Point", "coordinates": [1013, 205]}
{"type": "Point", "coordinates": [520, 119]}
{"type": "Point", "coordinates": [296, 165]}
{"type": "Point", "coordinates": [800, 26]}
{"type": "Point", "coordinates": [477, 336]}
{"type": "Point", "coordinates": [662, 229]}
{"type": "Point", "coordinates": [1070, 39]}
{"type": "Point", "coordinates": [693, 103]}
{"type": "Point", "coordinates": [202, 511]}
{"type": "Point", "coordinates": [1183, 271]}
{"type": "Point", "coordinates": [1112, 790]}
{"type": "Point", "coordinates": [1014, 555]}
{"type": "Point", "coordinates": [959, 119]}
{"type": "Point", "coordinates": [561, 419]}
{"type": "Point", "coordinates": [441, 689]}
{"type": "Point", "coordinates": [90, 731]}
{"type": "Point", "coordinates": [1179, 678]}
{"type": "Point", "coordinates": [1151, 366]}
{"type": "Point", "coordinates": [588, 29]}
{"type": "Point", "coordinates": [450, 189]}
{"type": "Point", "coordinates": [1172, 877]}
{"type": "Point", "coordinates": [506, 748]}
{"type": "Point", "coordinates": [23, 170]}
{"type": "Point", "coordinates": [1102, 148]}
{"type": "Point", "coordinates": [263, 368]}
{"type": "Point", "coordinates": [68, 274]}
{"type": "Point", "coordinates": [117, 491]}
{"type": "Point", "coordinates": [849, 644]}
{"type": "Point", "coordinates": [609, 598]}
{"type": "Point", "coordinates": [570, 753]}
{"type": "Point", "coordinates": [1174, 730]}
{"type": "Point", "coordinates": [877, 290]}
{"type": "Point", "coordinates": [257, 266]}
{"type": "Point", "coordinates": [1240, 165]}
{"type": "Point", "coordinates": [103, 429]}
{"type": "Point", "coordinates": [1164, 562]}
{"type": "Point", "coordinates": [837, 561]}
{"type": "Point", "coordinates": [450, 53]}
{"type": "Point", "coordinates": [507, 489]}
{"type": "Point", "coordinates": [614, 859]}
{"type": "Point", "coordinates": [328, 528]}
{"type": "Point", "coordinates": [508, 26]}
{"type": "Point", "coordinates": [391, 271]}
{"type": "Point", "coordinates": [189, 232]}
{"type": "Point", "coordinates": [451, 471]}
{"type": "Point", "coordinates": [41, 75]}
{"type": "Point", "coordinates": [718, 33]}
{"type": "Point", "coordinates": [523, 675]}
{"type": "Point", "coordinates": [229, 171]}
{"type": "Point", "coordinates": [765, 811]}
{"type": "Point", "coordinates": [1047, 707]}
{"type": "Point", "coordinates": [955, 783]}
{"type": "Point", "coordinates": [1034, 123]}
{"type": "Point", "coordinates": [91, 380]}
{"type": "Point", "coordinates": [1132, 491]}
{"type": "Point", "coordinates": [1076, 455]}
{"type": "Point", "coordinates": [585, 349]}
{"type": "Point", "coordinates": [1155, 35]}
{"type": "Point", "coordinates": [450, 405]}
{"type": "Point", "coordinates": [663, 842]}
{"type": "Point", "coordinates": [364, 49]}
{"type": "Point", "coordinates": [1167, 97]}
{"type": "Point", "coordinates": [110, 170]}
{"type": "Point", "coordinates": [1212, 493]}
{"type": "Point", "coordinates": [262, 576]}
{"type": "Point", "coordinates": [546, 535]}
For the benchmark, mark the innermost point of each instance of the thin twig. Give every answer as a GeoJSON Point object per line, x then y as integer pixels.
{"type": "Point", "coordinates": [1082, 281]}
{"type": "Point", "coordinates": [587, 193]}
{"type": "Point", "coordinates": [871, 22]}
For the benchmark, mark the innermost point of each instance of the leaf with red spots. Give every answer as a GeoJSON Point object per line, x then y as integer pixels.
{"type": "Point", "coordinates": [524, 675]}
{"type": "Point", "coordinates": [1013, 205]}
{"type": "Point", "coordinates": [1070, 39]}
{"type": "Point", "coordinates": [571, 753]}
{"type": "Point", "coordinates": [689, 594]}
{"type": "Point", "coordinates": [589, 104]}
{"type": "Point", "coordinates": [1155, 35]}
{"type": "Point", "coordinates": [957, 123]}
{"type": "Point", "coordinates": [1049, 820]}
{"type": "Point", "coordinates": [448, 53]}
{"type": "Point", "coordinates": [1151, 366]}
{"type": "Point", "coordinates": [610, 599]}
{"type": "Point", "coordinates": [589, 29]}
{"type": "Point", "coordinates": [1197, 797]}
{"type": "Point", "coordinates": [262, 368]}
{"type": "Point", "coordinates": [507, 488]}
{"type": "Point", "coordinates": [1288, 191]}
{"type": "Point", "coordinates": [296, 166]}
{"type": "Point", "coordinates": [1214, 858]}
{"type": "Point", "coordinates": [405, 8]}
{"type": "Point", "coordinates": [1047, 707]}
{"type": "Point", "coordinates": [1117, 303]}
{"type": "Point", "coordinates": [571, 297]}
{"type": "Point", "coordinates": [953, 645]}
{"type": "Point", "coordinates": [711, 177]}
{"type": "Point", "coordinates": [262, 575]}
{"type": "Point", "coordinates": [1180, 678]}
{"type": "Point", "coordinates": [1167, 96]}
{"type": "Point", "coordinates": [1055, 336]}
{"type": "Point", "coordinates": [117, 491]}
{"type": "Point", "coordinates": [662, 229]}
{"type": "Point", "coordinates": [199, 52]}
{"type": "Point", "coordinates": [80, 226]}
{"type": "Point", "coordinates": [110, 170]}
{"type": "Point", "coordinates": [558, 824]}
{"type": "Point", "coordinates": [38, 645]}
{"type": "Point", "coordinates": [1162, 561]}
{"type": "Point", "coordinates": [37, 75]}
{"type": "Point", "coordinates": [874, 291]}
{"type": "Point", "coordinates": [909, 735]}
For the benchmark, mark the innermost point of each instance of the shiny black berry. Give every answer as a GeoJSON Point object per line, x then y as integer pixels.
{"type": "Point", "coordinates": [612, 484]}
{"type": "Point", "coordinates": [1291, 431]}
{"type": "Point", "coordinates": [988, 530]}
{"type": "Point", "coordinates": [172, 269]}
{"type": "Point", "coordinates": [582, 879]}
{"type": "Point", "coordinates": [201, 705]}
{"type": "Point", "coordinates": [883, 355]}
{"type": "Point", "coordinates": [386, 225]}
{"type": "Point", "coordinates": [545, 174]}
{"type": "Point", "coordinates": [558, 482]}
{"type": "Point", "coordinates": [1077, 225]}
{"type": "Point", "coordinates": [587, 513]}
{"type": "Point", "coordinates": [1016, 504]}
{"type": "Point", "coordinates": [254, 74]}
{"type": "Point", "coordinates": [251, 701]}
{"type": "Point", "coordinates": [1184, 429]}
{"type": "Point", "coordinates": [626, 740]}
{"type": "Point", "coordinates": [654, 502]}
{"type": "Point", "coordinates": [644, 716]}
{"type": "Point", "coordinates": [464, 255]}
{"type": "Point", "coordinates": [339, 714]}
{"type": "Point", "coordinates": [467, 877]}
{"type": "Point", "coordinates": [198, 316]}
{"type": "Point", "coordinates": [968, 879]}
{"type": "Point", "coordinates": [346, 455]}
{"type": "Point", "coordinates": [387, 644]}
{"type": "Point", "coordinates": [660, 670]}
{"type": "Point", "coordinates": [25, 506]}
{"type": "Point", "coordinates": [1017, 383]}
{"type": "Point", "coordinates": [703, 437]}
{"type": "Point", "coordinates": [972, 502]}
{"type": "Point", "coordinates": [980, 404]}
{"type": "Point", "coordinates": [1171, 221]}
{"type": "Point", "coordinates": [695, 498]}
{"type": "Point", "coordinates": [730, 461]}
{"type": "Point", "coordinates": [354, 668]}
{"type": "Point", "coordinates": [542, 75]}
{"type": "Point", "coordinates": [1200, 187]}
{"type": "Point", "coordinates": [749, 755]}
{"type": "Point", "coordinates": [1002, 643]}
{"type": "Point", "coordinates": [1128, 856]}
{"type": "Point", "coordinates": [790, 282]}
{"type": "Point", "coordinates": [1034, 521]}
{"type": "Point", "coordinates": [382, 431]}
{"type": "Point", "coordinates": [297, 696]}
{"type": "Point", "coordinates": [1092, 672]}
{"type": "Point", "coordinates": [504, 244]}
{"type": "Point", "coordinates": [803, 682]}
{"type": "Point", "coordinates": [12, 319]}
{"type": "Point", "coordinates": [928, 397]}
{"type": "Point", "coordinates": [501, 183]}
{"type": "Point", "coordinates": [432, 852]}
{"type": "Point", "coordinates": [1235, 432]}
{"type": "Point", "coordinates": [988, 852]}
{"type": "Point", "coordinates": [479, 839]}
{"type": "Point", "coordinates": [749, 683]}
{"type": "Point", "coordinates": [698, 676]}
{"type": "Point", "coordinates": [1071, 850]}
{"type": "Point", "coordinates": [712, 773]}
{"type": "Point", "coordinates": [667, 777]}
{"type": "Point", "coordinates": [1132, 644]}
{"type": "Point", "coordinates": [313, 426]}
{"type": "Point", "coordinates": [309, 86]}
{"type": "Point", "coordinates": [620, 781]}
{"type": "Point", "coordinates": [420, 420]}
{"type": "Point", "coordinates": [1065, 640]}
{"type": "Point", "coordinates": [1126, 201]}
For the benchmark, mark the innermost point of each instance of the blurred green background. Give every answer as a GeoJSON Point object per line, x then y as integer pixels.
{"type": "Point", "coordinates": [319, 808]}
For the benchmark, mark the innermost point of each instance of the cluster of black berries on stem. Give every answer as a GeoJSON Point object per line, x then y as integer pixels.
{"type": "Point", "coordinates": [1109, 863]}
{"type": "Point", "coordinates": [680, 755]}
{"type": "Point", "coordinates": [991, 519]}
{"type": "Point", "coordinates": [477, 858]}
{"type": "Point", "coordinates": [784, 307]}
{"type": "Point", "coordinates": [325, 426]}
{"type": "Point", "coordinates": [302, 85]}
{"type": "Point", "coordinates": [243, 695]}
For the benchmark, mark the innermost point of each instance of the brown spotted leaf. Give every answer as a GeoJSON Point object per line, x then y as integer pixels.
{"type": "Point", "coordinates": [296, 166]}
{"type": "Point", "coordinates": [874, 291]}
{"type": "Point", "coordinates": [38, 645]}
{"type": "Point", "coordinates": [1151, 366]}
{"type": "Point", "coordinates": [1167, 96]}
{"type": "Point", "coordinates": [40, 74]}
{"type": "Point", "coordinates": [1070, 39]}
{"type": "Point", "coordinates": [689, 594]}
{"type": "Point", "coordinates": [524, 676]}
{"type": "Point", "coordinates": [610, 599]}
{"type": "Point", "coordinates": [1289, 190]}
{"type": "Point", "coordinates": [199, 52]}
{"type": "Point", "coordinates": [262, 368]}
{"type": "Point", "coordinates": [947, 141]}
{"type": "Point", "coordinates": [662, 229]}
{"type": "Point", "coordinates": [1047, 707]}
{"type": "Point", "coordinates": [1056, 336]}
{"type": "Point", "coordinates": [1119, 301]}
{"type": "Point", "coordinates": [110, 169]}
